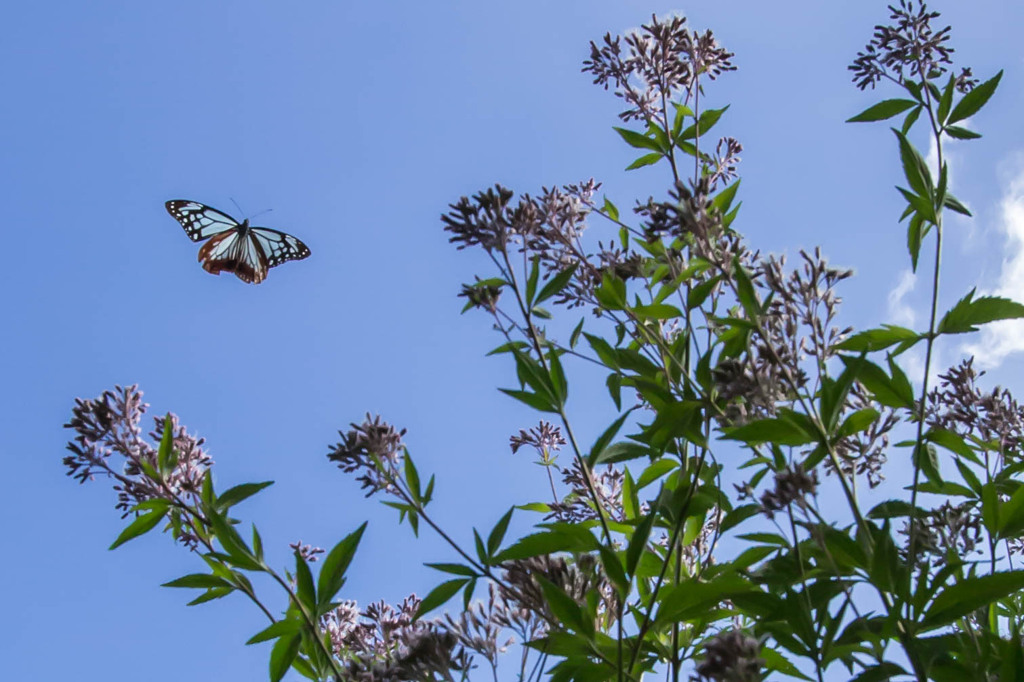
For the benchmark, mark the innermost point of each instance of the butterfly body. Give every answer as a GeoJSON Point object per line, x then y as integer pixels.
{"type": "Point", "coordinates": [234, 246]}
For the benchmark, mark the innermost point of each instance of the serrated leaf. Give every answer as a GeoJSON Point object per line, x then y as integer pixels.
{"type": "Point", "coordinates": [974, 100]}
{"type": "Point", "coordinates": [878, 339]}
{"type": "Point", "coordinates": [883, 110]}
{"type": "Point", "coordinates": [969, 312]}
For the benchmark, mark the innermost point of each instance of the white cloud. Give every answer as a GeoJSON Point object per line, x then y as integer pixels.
{"type": "Point", "coordinates": [1000, 339]}
{"type": "Point", "coordinates": [900, 311]}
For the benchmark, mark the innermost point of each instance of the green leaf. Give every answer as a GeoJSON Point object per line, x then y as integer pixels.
{"type": "Point", "coordinates": [305, 590]}
{"type": "Point", "coordinates": [646, 160]}
{"type": "Point", "coordinates": [332, 573]}
{"type": "Point", "coordinates": [233, 496]}
{"type": "Point", "coordinates": [969, 312]}
{"type": "Point", "coordinates": [947, 99]}
{"type": "Point", "coordinates": [534, 400]}
{"type": "Point", "coordinates": [613, 569]}
{"type": "Point", "coordinates": [745, 291]}
{"type": "Point", "coordinates": [708, 118]}
{"type": "Point", "coordinates": [781, 431]}
{"type": "Point", "coordinates": [563, 538]}
{"type": "Point", "coordinates": [275, 630]}
{"type": "Point", "coordinates": [638, 542]}
{"type": "Point", "coordinates": [575, 337]}
{"type": "Point", "coordinates": [858, 421]}
{"type": "Point", "coordinates": [564, 607]}
{"type": "Point", "coordinates": [531, 281]}
{"type": "Point", "coordinates": [974, 100]}
{"type": "Point", "coordinates": [657, 311]}
{"type": "Point", "coordinates": [953, 204]}
{"type": "Point", "coordinates": [166, 452]}
{"type": "Point", "coordinates": [199, 581]}
{"type": "Point", "coordinates": [914, 167]}
{"type": "Point", "coordinates": [140, 526]}
{"type": "Point", "coordinates": [1011, 515]}
{"type": "Point", "coordinates": [639, 140]}
{"type": "Point", "coordinates": [622, 451]}
{"type": "Point", "coordinates": [967, 594]}
{"type": "Point", "coordinates": [961, 133]}
{"type": "Point", "coordinates": [454, 569]}
{"type": "Point", "coordinates": [439, 595]}
{"type": "Point", "coordinates": [612, 292]}
{"type": "Point", "coordinates": [282, 655]}
{"type": "Point", "coordinates": [881, 672]}
{"type": "Point", "coordinates": [891, 392]}
{"type": "Point", "coordinates": [606, 438]}
{"type": "Point", "coordinates": [879, 339]}
{"type": "Point", "coordinates": [891, 509]}
{"type": "Point", "coordinates": [555, 285]}
{"type": "Point", "coordinates": [232, 542]}
{"type": "Point", "coordinates": [695, 596]}
{"type": "Point", "coordinates": [610, 209]}
{"type": "Point", "coordinates": [498, 533]}
{"type": "Point", "coordinates": [883, 110]}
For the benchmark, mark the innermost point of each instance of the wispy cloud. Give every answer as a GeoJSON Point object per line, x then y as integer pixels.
{"type": "Point", "coordinates": [901, 312]}
{"type": "Point", "coordinates": [1000, 339]}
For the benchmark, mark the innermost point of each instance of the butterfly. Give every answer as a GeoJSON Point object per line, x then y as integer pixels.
{"type": "Point", "coordinates": [234, 246]}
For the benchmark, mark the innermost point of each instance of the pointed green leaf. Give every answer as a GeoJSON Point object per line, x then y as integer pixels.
{"type": "Point", "coordinates": [883, 110]}
{"type": "Point", "coordinates": [974, 100]}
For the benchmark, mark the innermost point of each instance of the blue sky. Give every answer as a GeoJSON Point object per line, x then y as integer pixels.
{"type": "Point", "coordinates": [357, 123]}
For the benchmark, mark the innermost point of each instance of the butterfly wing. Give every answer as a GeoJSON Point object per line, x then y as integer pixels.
{"type": "Point", "coordinates": [237, 252]}
{"type": "Point", "coordinates": [200, 221]}
{"type": "Point", "coordinates": [278, 246]}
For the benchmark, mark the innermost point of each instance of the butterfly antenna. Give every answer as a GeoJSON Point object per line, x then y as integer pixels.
{"type": "Point", "coordinates": [266, 210]}
{"type": "Point", "coordinates": [240, 211]}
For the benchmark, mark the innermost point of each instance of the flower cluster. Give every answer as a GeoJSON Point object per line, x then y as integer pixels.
{"type": "Point", "coordinates": [374, 448]}
{"type": "Point", "coordinates": [731, 656]}
{"type": "Point", "coordinates": [578, 504]}
{"type": "Point", "coordinates": [908, 49]}
{"type": "Point", "coordinates": [578, 579]}
{"type": "Point", "coordinates": [660, 59]}
{"type": "Point", "coordinates": [385, 644]}
{"type": "Point", "coordinates": [792, 486]}
{"type": "Point", "coordinates": [108, 427]}
{"type": "Point", "coordinates": [545, 438]}
{"type": "Point", "coordinates": [994, 418]}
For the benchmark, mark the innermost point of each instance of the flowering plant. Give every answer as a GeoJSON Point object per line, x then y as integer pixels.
{"type": "Point", "coordinates": [721, 361]}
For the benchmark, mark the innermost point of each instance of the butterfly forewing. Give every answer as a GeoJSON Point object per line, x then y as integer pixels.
{"type": "Point", "coordinates": [234, 247]}
{"type": "Point", "coordinates": [278, 246]}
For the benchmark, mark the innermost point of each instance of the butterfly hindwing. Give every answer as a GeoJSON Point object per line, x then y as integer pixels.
{"type": "Point", "coordinates": [200, 221]}
{"type": "Point", "coordinates": [234, 247]}
{"type": "Point", "coordinates": [234, 252]}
